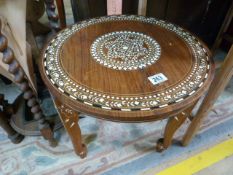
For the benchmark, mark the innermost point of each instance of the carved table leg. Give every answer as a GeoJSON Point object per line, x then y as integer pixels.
{"type": "Point", "coordinates": [172, 126]}
{"type": "Point", "coordinates": [70, 121]}
{"type": "Point", "coordinates": [6, 111]}
{"type": "Point", "coordinates": [29, 95]}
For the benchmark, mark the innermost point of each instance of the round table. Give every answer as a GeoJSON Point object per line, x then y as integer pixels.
{"type": "Point", "coordinates": [125, 69]}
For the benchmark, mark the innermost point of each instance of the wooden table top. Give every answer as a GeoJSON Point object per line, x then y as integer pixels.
{"type": "Point", "coordinates": [128, 68]}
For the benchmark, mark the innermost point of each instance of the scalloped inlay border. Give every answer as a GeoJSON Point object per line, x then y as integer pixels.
{"type": "Point", "coordinates": [150, 101]}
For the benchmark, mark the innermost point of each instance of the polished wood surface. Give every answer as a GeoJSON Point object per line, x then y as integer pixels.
{"type": "Point", "coordinates": [70, 120]}
{"type": "Point", "coordinates": [218, 85]}
{"type": "Point", "coordinates": [73, 77]}
{"type": "Point", "coordinates": [21, 80]}
{"type": "Point", "coordinates": [172, 126]}
{"type": "Point", "coordinates": [176, 62]}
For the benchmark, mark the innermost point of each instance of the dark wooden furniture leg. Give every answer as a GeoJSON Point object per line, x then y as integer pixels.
{"type": "Point", "coordinates": [14, 136]}
{"type": "Point", "coordinates": [172, 126]}
{"type": "Point", "coordinates": [217, 86]}
{"type": "Point", "coordinates": [29, 94]}
{"type": "Point", "coordinates": [61, 13]}
{"type": "Point", "coordinates": [70, 121]}
{"type": "Point", "coordinates": [5, 112]}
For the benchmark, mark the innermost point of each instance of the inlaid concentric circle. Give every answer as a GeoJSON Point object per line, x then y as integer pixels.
{"type": "Point", "coordinates": [125, 50]}
{"type": "Point", "coordinates": [188, 86]}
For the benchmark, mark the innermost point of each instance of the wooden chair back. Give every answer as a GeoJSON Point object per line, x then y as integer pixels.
{"type": "Point", "coordinates": [84, 9]}
{"type": "Point", "coordinates": [199, 17]}
{"type": "Point", "coordinates": [95, 8]}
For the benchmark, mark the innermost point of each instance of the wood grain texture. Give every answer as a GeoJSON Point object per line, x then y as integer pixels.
{"type": "Point", "coordinates": [219, 83]}
{"type": "Point", "coordinates": [23, 83]}
{"type": "Point", "coordinates": [84, 69]}
{"type": "Point", "coordinates": [70, 119]}
{"type": "Point", "coordinates": [73, 76]}
{"type": "Point", "coordinates": [173, 124]}
{"type": "Point", "coordinates": [175, 62]}
{"type": "Point", "coordinates": [61, 13]}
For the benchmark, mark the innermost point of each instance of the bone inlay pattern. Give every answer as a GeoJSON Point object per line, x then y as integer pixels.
{"type": "Point", "coordinates": [125, 50]}
{"type": "Point", "coordinates": [150, 101]}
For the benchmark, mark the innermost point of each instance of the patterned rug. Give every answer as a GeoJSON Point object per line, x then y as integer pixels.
{"type": "Point", "coordinates": [113, 148]}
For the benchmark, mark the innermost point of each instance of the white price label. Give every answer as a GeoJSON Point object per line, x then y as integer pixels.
{"type": "Point", "coordinates": [157, 78]}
